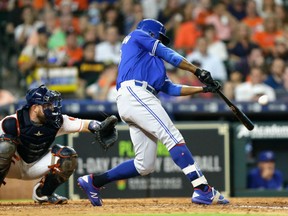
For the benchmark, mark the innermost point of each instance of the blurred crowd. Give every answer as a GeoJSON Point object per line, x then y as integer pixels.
{"type": "Point", "coordinates": [243, 43]}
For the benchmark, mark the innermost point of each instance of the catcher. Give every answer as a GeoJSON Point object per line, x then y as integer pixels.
{"type": "Point", "coordinates": [26, 143]}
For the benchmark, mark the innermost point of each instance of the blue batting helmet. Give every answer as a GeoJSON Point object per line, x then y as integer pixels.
{"type": "Point", "coordinates": [155, 29]}
{"type": "Point", "coordinates": [42, 95]}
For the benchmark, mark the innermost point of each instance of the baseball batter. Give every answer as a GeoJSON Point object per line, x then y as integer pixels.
{"type": "Point", "coordinates": [141, 76]}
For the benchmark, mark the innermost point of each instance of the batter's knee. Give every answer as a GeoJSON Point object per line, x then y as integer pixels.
{"type": "Point", "coordinates": [144, 168]}
{"type": "Point", "coordinates": [67, 162]}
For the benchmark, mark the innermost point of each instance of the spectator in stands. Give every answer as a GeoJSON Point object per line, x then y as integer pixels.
{"type": "Point", "coordinates": [266, 7]}
{"type": "Point", "coordinates": [33, 57]}
{"type": "Point", "coordinates": [208, 62]}
{"type": "Point", "coordinates": [265, 175]}
{"type": "Point", "coordinates": [76, 5]}
{"type": "Point", "coordinates": [240, 46]}
{"type": "Point", "coordinates": [105, 88]}
{"type": "Point", "coordinates": [111, 17]}
{"type": "Point", "coordinates": [187, 32]}
{"type": "Point", "coordinates": [281, 16]}
{"type": "Point", "coordinates": [171, 17]}
{"type": "Point", "coordinates": [255, 87]}
{"type": "Point", "coordinates": [127, 10]}
{"type": "Point", "coordinates": [235, 79]}
{"type": "Point", "coordinates": [89, 70]}
{"type": "Point", "coordinates": [280, 49]}
{"type": "Point", "coordinates": [215, 46]}
{"type": "Point", "coordinates": [202, 10]}
{"type": "Point", "coordinates": [6, 97]}
{"type": "Point", "coordinates": [138, 15]}
{"type": "Point", "coordinates": [266, 38]}
{"type": "Point", "coordinates": [29, 25]}
{"type": "Point", "coordinates": [83, 24]}
{"type": "Point", "coordinates": [58, 38]}
{"type": "Point", "coordinates": [282, 94]}
{"type": "Point", "coordinates": [94, 14]}
{"type": "Point", "coordinates": [72, 51]}
{"type": "Point", "coordinates": [49, 21]}
{"type": "Point", "coordinates": [90, 34]}
{"type": "Point", "coordinates": [103, 4]}
{"type": "Point", "coordinates": [223, 21]}
{"type": "Point", "coordinates": [15, 11]}
{"type": "Point", "coordinates": [237, 9]}
{"type": "Point", "coordinates": [256, 57]}
{"type": "Point", "coordinates": [252, 18]}
{"type": "Point", "coordinates": [275, 76]}
{"type": "Point", "coordinates": [109, 50]}
{"type": "Point", "coordinates": [8, 22]}
{"type": "Point", "coordinates": [151, 8]}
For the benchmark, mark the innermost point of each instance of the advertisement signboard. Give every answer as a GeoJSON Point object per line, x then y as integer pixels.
{"type": "Point", "coordinates": [209, 144]}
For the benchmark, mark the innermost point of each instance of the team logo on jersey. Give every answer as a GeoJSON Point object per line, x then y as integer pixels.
{"type": "Point", "coordinates": [38, 134]}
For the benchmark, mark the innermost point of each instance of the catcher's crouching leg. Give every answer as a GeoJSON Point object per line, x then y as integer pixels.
{"type": "Point", "coordinates": [7, 151]}
{"type": "Point", "coordinates": [60, 173]}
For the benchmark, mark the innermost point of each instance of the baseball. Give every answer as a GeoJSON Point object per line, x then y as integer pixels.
{"type": "Point", "coordinates": [263, 100]}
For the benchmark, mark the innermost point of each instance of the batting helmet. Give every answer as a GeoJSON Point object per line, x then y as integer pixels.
{"type": "Point", "coordinates": [155, 29]}
{"type": "Point", "coordinates": [42, 95]}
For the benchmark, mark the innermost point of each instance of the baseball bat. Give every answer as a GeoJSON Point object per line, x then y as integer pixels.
{"type": "Point", "coordinates": [237, 112]}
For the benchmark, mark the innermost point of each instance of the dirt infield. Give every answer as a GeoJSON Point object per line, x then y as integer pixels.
{"type": "Point", "coordinates": [151, 206]}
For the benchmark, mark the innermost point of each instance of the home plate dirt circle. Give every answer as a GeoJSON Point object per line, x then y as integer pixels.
{"type": "Point", "coordinates": [150, 206]}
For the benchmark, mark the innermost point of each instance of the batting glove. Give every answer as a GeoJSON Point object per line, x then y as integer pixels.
{"type": "Point", "coordinates": [212, 88]}
{"type": "Point", "coordinates": [204, 76]}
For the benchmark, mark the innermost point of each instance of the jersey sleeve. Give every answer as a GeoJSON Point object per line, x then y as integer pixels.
{"type": "Point", "coordinates": [70, 125]}
{"type": "Point", "coordinates": [171, 88]}
{"type": "Point", "coordinates": [146, 41]}
{"type": "Point", "coordinates": [168, 55]}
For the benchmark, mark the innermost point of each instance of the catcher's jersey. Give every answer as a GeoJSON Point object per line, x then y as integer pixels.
{"type": "Point", "coordinates": [139, 62]}
{"type": "Point", "coordinates": [35, 140]}
{"type": "Point", "coordinates": [70, 125]}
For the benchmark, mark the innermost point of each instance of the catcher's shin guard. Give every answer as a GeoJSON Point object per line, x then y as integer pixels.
{"type": "Point", "coordinates": [60, 173]}
{"type": "Point", "coordinates": [7, 151]}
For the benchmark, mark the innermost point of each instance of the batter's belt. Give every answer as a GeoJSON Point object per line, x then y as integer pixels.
{"type": "Point", "coordinates": [142, 84]}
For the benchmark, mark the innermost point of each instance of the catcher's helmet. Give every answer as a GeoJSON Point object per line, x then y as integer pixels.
{"type": "Point", "coordinates": [42, 95]}
{"type": "Point", "coordinates": [155, 29]}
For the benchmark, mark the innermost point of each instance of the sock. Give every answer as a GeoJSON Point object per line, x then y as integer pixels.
{"type": "Point", "coordinates": [184, 159]}
{"type": "Point", "coordinates": [51, 182]}
{"type": "Point", "coordinates": [203, 187]}
{"type": "Point", "coordinates": [124, 170]}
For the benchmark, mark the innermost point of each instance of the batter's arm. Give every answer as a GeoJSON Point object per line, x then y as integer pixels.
{"type": "Point", "coordinates": [179, 61]}
{"type": "Point", "coordinates": [173, 89]}
{"type": "Point", "coordinates": [190, 90]}
{"type": "Point", "coordinates": [186, 65]}
{"type": "Point", "coordinates": [175, 58]}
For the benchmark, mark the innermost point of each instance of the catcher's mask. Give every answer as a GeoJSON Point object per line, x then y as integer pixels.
{"type": "Point", "coordinates": [50, 101]}
{"type": "Point", "coordinates": [155, 29]}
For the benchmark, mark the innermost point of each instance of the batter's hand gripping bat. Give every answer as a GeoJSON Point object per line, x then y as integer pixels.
{"type": "Point", "coordinates": [237, 112]}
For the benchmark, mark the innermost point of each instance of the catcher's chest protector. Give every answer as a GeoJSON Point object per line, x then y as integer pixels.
{"type": "Point", "coordinates": [34, 140]}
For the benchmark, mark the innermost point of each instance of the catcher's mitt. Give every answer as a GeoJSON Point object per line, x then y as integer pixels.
{"type": "Point", "coordinates": [105, 132]}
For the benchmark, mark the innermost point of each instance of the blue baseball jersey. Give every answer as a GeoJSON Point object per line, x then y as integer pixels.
{"type": "Point", "coordinates": [142, 59]}
{"type": "Point", "coordinates": [257, 182]}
